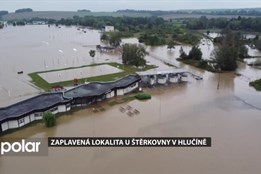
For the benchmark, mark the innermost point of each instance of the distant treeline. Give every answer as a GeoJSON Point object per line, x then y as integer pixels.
{"type": "Point", "coordinates": [2, 13]}
{"type": "Point", "coordinates": [83, 10]}
{"type": "Point", "coordinates": [155, 30]}
{"type": "Point", "coordinates": [156, 24]}
{"type": "Point", "coordinates": [240, 23]}
{"type": "Point", "coordinates": [23, 10]}
{"type": "Point", "coordinates": [239, 12]}
{"type": "Point", "coordinates": [150, 30]}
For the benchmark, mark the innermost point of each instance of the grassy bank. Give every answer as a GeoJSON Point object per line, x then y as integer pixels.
{"type": "Point", "coordinates": [126, 70]}
{"type": "Point", "coordinates": [256, 84]}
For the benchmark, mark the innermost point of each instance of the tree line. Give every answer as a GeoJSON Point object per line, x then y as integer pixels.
{"type": "Point", "coordinates": [239, 23]}
{"type": "Point", "coordinates": [242, 12]}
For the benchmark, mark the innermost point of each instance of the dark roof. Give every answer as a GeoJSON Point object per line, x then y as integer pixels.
{"type": "Point", "coordinates": [46, 101]}
{"type": "Point", "coordinates": [37, 103]}
{"type": "Point", "coordinates": [97, 88]}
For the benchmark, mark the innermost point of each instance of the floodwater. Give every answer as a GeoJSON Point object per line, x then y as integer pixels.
{"type": "Point", "coordinates": [230, 115]}
{"type": "Point", "coordinates": [42, 48]}
{"type": "Point", "coordinates": [78, 73]}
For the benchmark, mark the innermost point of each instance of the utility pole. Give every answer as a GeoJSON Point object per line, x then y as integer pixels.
{"type": "Point", "coordinates": [218, 79]}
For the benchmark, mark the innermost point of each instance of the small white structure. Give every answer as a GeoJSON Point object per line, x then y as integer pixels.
{"type": "Point", "coordinates": [184, 77]}
{"type": "Point", "coordinates": [162, 79]}
{"type": "Point", "coordinates": [107, 28]}
{"type": "Point", "coordinates": [173, 78]}
{"type": "Point", "coordinates": [152, 80]}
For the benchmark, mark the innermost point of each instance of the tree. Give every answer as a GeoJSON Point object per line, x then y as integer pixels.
{"type": "Point", "coordinates": [49, 119]}
{"type": "Point", "coordinates": [243, 52]}
{"type": "Point", "coordinates": [92, 54]}
{"type": "Point", "coordinates": [256, 38]}
{"type": "Point", "coordinates": [171, 44]}
{"type": "Point", "coordinates": [133, 54]}
{"type": "Point", "coordinates": [229, 50]}
{"type": "Point", "coordinates": [115, 39]}
{"type": "Point", "coordinates": [182, 53]}
{"type": "Point", "coordinates": [258, 45]}
{"type": "Point", "coordinates": [104, 37]}
{"type": "Point", "coordinates": [75, 82]}
{"type": "Point", "coordinates": [226, 57]}
{"type": "Point", "coordinates": [195, 53]}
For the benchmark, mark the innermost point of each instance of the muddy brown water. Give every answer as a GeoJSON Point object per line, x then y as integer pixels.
{"type": "Point", "coordinates": [229, 115]}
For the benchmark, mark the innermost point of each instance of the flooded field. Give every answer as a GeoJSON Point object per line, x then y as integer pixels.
{"type": "Point", "coordinates": [42, 48]}
{"type": "Point", "coordinates": [231, 115]}
{"type": "Point", "coordinates": [78, 73]}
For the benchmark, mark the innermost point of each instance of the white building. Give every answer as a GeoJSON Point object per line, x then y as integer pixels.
{"type": "Point", "coordinates": [108, 28]}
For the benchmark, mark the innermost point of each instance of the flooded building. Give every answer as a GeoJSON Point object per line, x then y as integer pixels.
{"type": "Point", "coordinates": [162, 79]}
{"type": "Point", "coordinates": [30, 110]}
{"type": "Point", "coordinates": [107, 28]}
{"type": "Point", "coordinates": [153, 77]}
{"type": "Point", "coordinates": [86, 94]}
{"type": "Point", "coordinates": [27, 111]}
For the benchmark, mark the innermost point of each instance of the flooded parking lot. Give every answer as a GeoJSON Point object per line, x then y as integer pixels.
{"type": "Point", "coordinates": [230, 114]}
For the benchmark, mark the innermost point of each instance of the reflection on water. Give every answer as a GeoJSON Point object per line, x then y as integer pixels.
{"type": "Point", "coordinates": [229, 115]}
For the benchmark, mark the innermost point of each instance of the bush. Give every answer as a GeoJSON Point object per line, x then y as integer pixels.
{"type": "Point", "coordinates": [49, 119]}
{"type": "Point", "coordinates": [256, 84]}
{"type": "Point", "coordinates": [195, 53]}
{"type": "Point", "coordinates": [143, 96]}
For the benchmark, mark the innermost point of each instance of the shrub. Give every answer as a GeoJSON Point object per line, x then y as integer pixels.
{"type": "Point", "coordinates": [143, 96]}
{"type": "Point", "coordinates": [256, 84]}
{"type": "Point", "coordinates": [49, 119]}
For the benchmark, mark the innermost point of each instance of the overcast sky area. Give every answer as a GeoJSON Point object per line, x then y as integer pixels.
{"type": "Point", "coordinates": [113, 5]}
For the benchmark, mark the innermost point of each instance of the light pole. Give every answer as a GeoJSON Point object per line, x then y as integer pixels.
{"type": "Point", "coordinates": [219, 70]}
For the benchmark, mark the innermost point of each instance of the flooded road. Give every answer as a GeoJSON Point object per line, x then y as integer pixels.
{"type": "Point", "coordinates": [231, 115]}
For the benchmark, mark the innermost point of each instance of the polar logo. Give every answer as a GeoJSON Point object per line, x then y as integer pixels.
{"type": "Point", "coordinates": [20, 147]}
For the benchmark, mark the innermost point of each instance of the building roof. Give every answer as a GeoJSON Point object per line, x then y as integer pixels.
{"type": "Point", "coordinates": [46, 101]}
{"type": "Point", "coordinates": [34, 104]}
{"type": "Point", "coordinates": [97, 88]}
{"type": "Point", "coordinates": [157, 72]}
